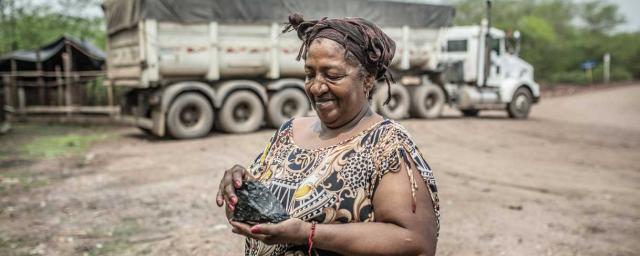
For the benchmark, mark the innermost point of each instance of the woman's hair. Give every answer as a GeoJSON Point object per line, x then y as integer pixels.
{"type": "Point", "coordinates": [362, 40]}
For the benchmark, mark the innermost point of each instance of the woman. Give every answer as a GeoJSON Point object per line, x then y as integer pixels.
{"type": "Point", "coordinates": [345, 166]}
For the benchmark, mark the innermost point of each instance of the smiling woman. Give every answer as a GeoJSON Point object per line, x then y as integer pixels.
{"type": "Point", "coordinates": [347, 165]}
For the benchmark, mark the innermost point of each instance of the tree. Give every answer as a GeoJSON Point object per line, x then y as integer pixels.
{"type": "Point", "coordinates": [26, 26]}
{"type": "Point", "coordinates": [600, 17]}
{"type": "Point", "coordinates": [551, 40]}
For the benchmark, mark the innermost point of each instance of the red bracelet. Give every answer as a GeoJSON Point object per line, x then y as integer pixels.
{"type": "Point", "coordinates": [312, 232]}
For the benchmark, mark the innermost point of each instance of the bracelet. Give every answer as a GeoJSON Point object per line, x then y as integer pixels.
{"type": "Point", "coordinates": [312, 232]}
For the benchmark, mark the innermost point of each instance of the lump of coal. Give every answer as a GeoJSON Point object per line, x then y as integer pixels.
{"type": "Point", "coordinates": [256, 204]}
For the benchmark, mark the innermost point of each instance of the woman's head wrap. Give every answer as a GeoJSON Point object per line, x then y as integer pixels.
{"type": "Point", "coordinates": [366, 41]}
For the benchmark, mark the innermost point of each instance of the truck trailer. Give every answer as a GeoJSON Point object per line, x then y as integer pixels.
{"type": "Point", "coordinates": [197, 65]}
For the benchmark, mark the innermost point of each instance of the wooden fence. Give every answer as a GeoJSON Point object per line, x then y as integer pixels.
{"type": "Point", "coordinates": [63, 91]}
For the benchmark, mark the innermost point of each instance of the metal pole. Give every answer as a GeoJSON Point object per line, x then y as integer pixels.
{"type": "Point", "coordinates": [487, 47]}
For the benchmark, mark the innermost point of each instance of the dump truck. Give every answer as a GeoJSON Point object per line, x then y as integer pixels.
{"type": "Point", "coordinates": [199, 65]}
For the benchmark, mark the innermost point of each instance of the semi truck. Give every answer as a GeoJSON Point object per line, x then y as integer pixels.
{"type": "Point", "coordinates": [198, 65]}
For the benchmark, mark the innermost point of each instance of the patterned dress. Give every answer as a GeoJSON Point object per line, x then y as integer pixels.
{"type": "Point", "coordinates": [335, 184]}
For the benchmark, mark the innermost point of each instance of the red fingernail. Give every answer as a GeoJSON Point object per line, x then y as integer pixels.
{"type": "Point", "coordinates": [230, 207]}
{"type": "Point", "coordinates": [234, 200]}
{"type": "Point", "coordinates": [255, 229]}
{"type": "Point", "coordinates": [238, 184]}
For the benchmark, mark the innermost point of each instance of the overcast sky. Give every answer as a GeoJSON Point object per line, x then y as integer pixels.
{"type": "Point", "coordinates": [629, 8]}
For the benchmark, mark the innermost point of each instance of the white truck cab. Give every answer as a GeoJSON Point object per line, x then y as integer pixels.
{"type": "Point", "coordinates": [509, 81]}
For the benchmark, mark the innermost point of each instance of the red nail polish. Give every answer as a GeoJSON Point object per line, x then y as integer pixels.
{"type": "Point", "coordinates": [234, 200]}
{"type": "Point", "coordinates": [238, 184]}
{"type": "Point", "coordinates": [255, 229]}
{"type": "Point", "coordinates": [230, 207]}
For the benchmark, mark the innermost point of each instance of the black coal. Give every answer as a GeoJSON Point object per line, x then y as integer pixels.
{"type": "Point", "coordinates": [256, 204]}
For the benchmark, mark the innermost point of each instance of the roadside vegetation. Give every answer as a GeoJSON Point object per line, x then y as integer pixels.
{"type": "Point", "coordinates": [557, 35]}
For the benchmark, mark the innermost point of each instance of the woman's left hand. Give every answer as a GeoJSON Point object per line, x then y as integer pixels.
{"type": "Point", "coordinates": [291, 231]}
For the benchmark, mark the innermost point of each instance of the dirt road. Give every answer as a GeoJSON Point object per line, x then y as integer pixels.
{"type": "Point", "coordinates": [564, 182]}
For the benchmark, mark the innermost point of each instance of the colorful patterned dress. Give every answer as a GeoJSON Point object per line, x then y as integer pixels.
{"type": "Point", "coordinates": [335, 184]}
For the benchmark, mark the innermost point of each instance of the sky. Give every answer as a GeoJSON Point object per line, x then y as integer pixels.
{"type": "Point", "coordinates": [629, 8]}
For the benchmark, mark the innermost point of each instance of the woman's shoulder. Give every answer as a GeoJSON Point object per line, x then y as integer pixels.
{"type": "Point", "coordinates": [392, 131]}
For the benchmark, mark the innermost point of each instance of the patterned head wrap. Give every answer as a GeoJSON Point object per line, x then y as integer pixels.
{"type": "Point", "coordinates": [366, 41]}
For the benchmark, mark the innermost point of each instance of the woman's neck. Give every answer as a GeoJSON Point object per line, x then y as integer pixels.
{"type": "Point", "coordinates": [330, 132]}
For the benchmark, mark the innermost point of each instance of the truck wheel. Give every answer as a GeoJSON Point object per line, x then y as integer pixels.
{"type": "Point", "coordinates": [427, 101]}
{"type": "Point", "coordinates": [241, 112]}
{"type": "Point", "coordinates": [286, 104]}
{"type": "Point", "coordinates": [520, 104]}
{"type": "Point", "coordinates": [398, 105]}
{"type": "Point", "coordinates": [190, 116]}
{"type": "Point", "coordinates": [470, 112]}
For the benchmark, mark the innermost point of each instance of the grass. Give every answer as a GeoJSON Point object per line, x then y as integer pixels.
{"type": "Point", "coordinates": [15, 246]}
{"type": "Point", "coordinates": [119, 239]}
{"type": "Point", "coordinates": [58, 145]}
{"type": "Point", "coordinates": [21, 181]}
{"type": "Point", "coordinates": [32, 142]}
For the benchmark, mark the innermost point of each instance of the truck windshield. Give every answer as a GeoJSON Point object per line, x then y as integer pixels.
{"type": "Point", "coordinates": [457, 45]}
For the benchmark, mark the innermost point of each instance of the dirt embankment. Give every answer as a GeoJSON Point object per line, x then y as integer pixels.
{"type": "Point", "coordinates": [564, 182]}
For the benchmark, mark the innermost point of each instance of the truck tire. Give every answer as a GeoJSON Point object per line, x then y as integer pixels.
{"type": "Point", "coordinates": [286, 104]}
{"type": "Point", "coordinates": [520, 104]}
{"type": "Point", "coordinates": [427, 101]}
{"type": "Point", "coordinates": [398, 106]}
{"type": "Point", "coordinates": [470, 112]}
{"type": "Point", "coordinates": [190, 116]}
{"type": "Point", "coordinates": [241, 112]}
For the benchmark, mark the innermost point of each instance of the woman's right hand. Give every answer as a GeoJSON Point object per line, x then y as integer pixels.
{"type": "Point", "coordinates": [231, 181]}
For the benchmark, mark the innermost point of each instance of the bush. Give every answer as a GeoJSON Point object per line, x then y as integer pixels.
{"type": "Point", "coordinates": [571, 77]}
{"type": "Point", "coordinates": [580, 76]}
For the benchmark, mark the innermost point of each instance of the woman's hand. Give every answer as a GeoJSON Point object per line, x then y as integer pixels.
{"type": "Point", "coordinates": [291, 231]}
{"type": "Point", "coordinates": [231, 181]}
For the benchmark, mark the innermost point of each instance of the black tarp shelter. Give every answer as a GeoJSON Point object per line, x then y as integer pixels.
{"type": "Point", "coordinates": [85, 56]}
{"type": "Point", "coordinates": [51, 78]}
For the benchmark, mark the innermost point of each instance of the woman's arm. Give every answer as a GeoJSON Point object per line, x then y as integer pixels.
{"type": "Point", "coordinates": [397, 230]}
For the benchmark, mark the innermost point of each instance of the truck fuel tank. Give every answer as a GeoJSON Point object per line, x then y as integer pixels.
{"type": "Point", "coordinates": [474, 97]}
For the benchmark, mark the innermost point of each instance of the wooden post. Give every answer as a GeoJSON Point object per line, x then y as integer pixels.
{"type": "Point", "coordinates": [41, 87]}
{"type": "Point", "coordinates": [6, 82]}
{"type": "Point", "coordinates": [110, 97]}
{"type": "Point", "coordinates": [14, 85]}
{"type": "Point", "coordinates": [19, 91]}
{"type": "Point", "coordinates": [67, 66]}
{"type": "Point", "coordinates": [60, 83]}
{"type": "Point", "coordinates": [2, 101]}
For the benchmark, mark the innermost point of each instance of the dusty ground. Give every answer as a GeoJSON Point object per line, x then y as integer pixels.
{"type": "Point", "coordinates": [564, 182]}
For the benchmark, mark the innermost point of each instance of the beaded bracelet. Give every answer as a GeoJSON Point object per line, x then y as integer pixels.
{"type": "Point", "coordinates": [312, 232]}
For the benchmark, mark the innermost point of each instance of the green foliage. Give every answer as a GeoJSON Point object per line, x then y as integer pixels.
{"type": "Point", "coordinates": [26, 26]}
{"type": "Point", "coordinates": [600, 17]}
{"type": "Point", "coordinates": [555, 44]}
{"type": "Point", "coordinates": [551, 40]}
{"type": "Point", "coordinates": [56, 145]}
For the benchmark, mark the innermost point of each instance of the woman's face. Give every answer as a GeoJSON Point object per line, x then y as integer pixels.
{"type": "Point", "coordinates": [336, 89]}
